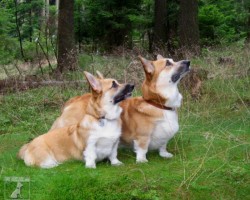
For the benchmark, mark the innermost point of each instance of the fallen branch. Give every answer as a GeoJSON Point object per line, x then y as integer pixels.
{"type": "Point", "coordinates": [14, 84]}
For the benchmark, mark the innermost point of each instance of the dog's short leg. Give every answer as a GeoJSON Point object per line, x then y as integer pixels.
{"type": "Point", "coordinates": [113, 156]}
{"type": "Point", "coordinates": [141, 149]}
{"type": "Point", "coordinates": [90, 155]}
{"type": "Point", "coordinates": [164, 153]}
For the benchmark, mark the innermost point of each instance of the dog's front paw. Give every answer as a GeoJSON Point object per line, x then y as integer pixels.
{"type": "Point", "coordinates": [90, 165]}
{"type": "Point", "coordinates": [116, 162]}
{"type": "Point", "coordinates": [166, 155]}
{"type": "Point", "coordinates": [141, 160]}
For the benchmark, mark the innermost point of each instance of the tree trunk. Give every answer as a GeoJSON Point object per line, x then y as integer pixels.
{"type": "Point", "coordinates": [248, 23]}
{"type": "Point", "coordinates": [160, 22]}
{"type": "Point", "coordinates": [188, 26]}
{"type": "Point", "coordinates": [30, 21]}
{"type": "Point", "coordinates": [66, 42]}
{"type": "Point", "coordinates": [18, 30]}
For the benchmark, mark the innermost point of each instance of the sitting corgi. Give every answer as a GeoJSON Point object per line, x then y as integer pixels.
{"type": "Point", "coordinates": [93, 138]}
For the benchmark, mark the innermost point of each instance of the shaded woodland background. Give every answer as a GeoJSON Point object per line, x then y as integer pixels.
{"type": "Point", "coordinates": [54, 33]}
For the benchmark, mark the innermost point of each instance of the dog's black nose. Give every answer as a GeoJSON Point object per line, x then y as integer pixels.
{"type": "Point", "coordinates": [129, 87]}
{"type": "Point", "coordinates": [132, 86]}
{"type": "Point", "coordinates": [186, 62]}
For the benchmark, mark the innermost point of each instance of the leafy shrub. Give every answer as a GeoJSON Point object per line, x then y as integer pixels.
{"type": "Point", "coordinates": [213, 25]}
{"type": "Point", "coordinates": [8, 44]}
{"type": "Point", "coordinates": [221, 22]}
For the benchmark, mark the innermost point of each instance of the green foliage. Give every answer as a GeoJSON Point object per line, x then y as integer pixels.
{"type": "Point", "coordinates": [7, 42]}
{"type": "Point", "coordinates": [30, 50]}
{"type": "Point", "coordinates": [221, 21]}
{"type": "Point", "coordinates": [110, 21]}
{"type": "Point", "coordinates": [29, 17]}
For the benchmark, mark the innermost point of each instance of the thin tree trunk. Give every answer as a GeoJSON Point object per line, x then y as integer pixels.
{"type": "Point", "coordinates": [30, 22]}
{"type": "Point", "coordinates": [18, 30]}
{"type": "Point", "coordinates": [46, 55]}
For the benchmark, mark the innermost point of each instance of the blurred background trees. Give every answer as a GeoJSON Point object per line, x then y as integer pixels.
{"type": "Point", "coordinates": [31, 29]}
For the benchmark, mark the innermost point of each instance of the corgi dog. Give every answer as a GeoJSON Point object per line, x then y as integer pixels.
{"type": "Point", "coordinates": [93, 138]}
{"type": "Point", "coordinates": [150, 121]}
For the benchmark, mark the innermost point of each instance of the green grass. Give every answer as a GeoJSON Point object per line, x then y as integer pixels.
{"type": "Point", "coordinates": [211, 151]}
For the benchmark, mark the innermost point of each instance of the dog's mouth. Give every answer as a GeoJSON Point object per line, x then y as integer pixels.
{"type": "Point", "coordinates": [125, 93]}
{"type": "Point", "coordinates": [182, 71]}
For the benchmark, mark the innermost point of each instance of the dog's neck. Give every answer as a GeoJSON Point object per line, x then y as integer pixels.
{"type": "Point", "coordinates": [159, 105]}
{"type": "Point", "coordinates": [112, 112]}
{"type": "Point", "coordinates": [167, 96]}
{"type": "Point", "coordinates": [108, 111]}
{"type": "Point", "coordinates": [173, 96]}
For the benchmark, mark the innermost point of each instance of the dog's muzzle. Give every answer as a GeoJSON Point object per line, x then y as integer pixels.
{"type": "Point", "coordinates": [182, 71]}
{"type": "Point", "coordinates": [124, 93]}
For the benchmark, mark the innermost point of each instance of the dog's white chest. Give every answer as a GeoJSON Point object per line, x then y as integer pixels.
{"type": "Point", "coordinates": [164, 130]}
{"type": "Point", "coordinates": [106, 135]}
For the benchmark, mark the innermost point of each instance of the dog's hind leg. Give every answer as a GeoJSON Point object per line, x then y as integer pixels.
{"type": "Point", "coordinates": [141, 149]}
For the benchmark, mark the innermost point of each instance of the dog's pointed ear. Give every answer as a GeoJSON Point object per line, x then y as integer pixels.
{"type": "Point", "coordinates": [159, 57]}
{"type": "Point", "coordinates": [148, 67]}
{"type": "Point", "coordinates": [99, 75]}
{"type": "Point", "coordinates": [94, 82]}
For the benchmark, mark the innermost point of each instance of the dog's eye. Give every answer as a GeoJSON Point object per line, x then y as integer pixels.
{"type": "Point", "coordinates": [114, 84]}
{"type": "Point", "coordinates": [168, 63]}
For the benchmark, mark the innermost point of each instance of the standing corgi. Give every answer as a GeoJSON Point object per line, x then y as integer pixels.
{"type": "Point", "coordinates": [150, 121]}
{"type": "Point", "coordinates": [93, 138]}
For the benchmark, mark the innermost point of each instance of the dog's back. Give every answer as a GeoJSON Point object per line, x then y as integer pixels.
{"type": "Point", "coordinates": [72, 112]}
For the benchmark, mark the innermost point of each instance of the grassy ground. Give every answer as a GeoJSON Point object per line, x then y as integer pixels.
{"type": "Point", "coordinates": [212, 148]}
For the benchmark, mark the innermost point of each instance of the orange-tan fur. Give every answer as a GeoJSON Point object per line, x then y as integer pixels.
{"type": "Point", "coordinates": [76, 108]}
{"type": "Point", "coordinates": [58, 146]}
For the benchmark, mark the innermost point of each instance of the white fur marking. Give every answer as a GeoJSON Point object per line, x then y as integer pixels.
{"type": "Point", "coordinates": [102, 142]}
{"type": "Point", "coordinates": [168, 90]}
{"type": "Point", "coordinates": [164, 130]}
{"type": "Point", "coordinates": [112, 111]}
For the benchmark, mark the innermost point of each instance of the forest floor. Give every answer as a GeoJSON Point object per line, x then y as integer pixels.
{"type": "Point", "coordinates": [211, 151]}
